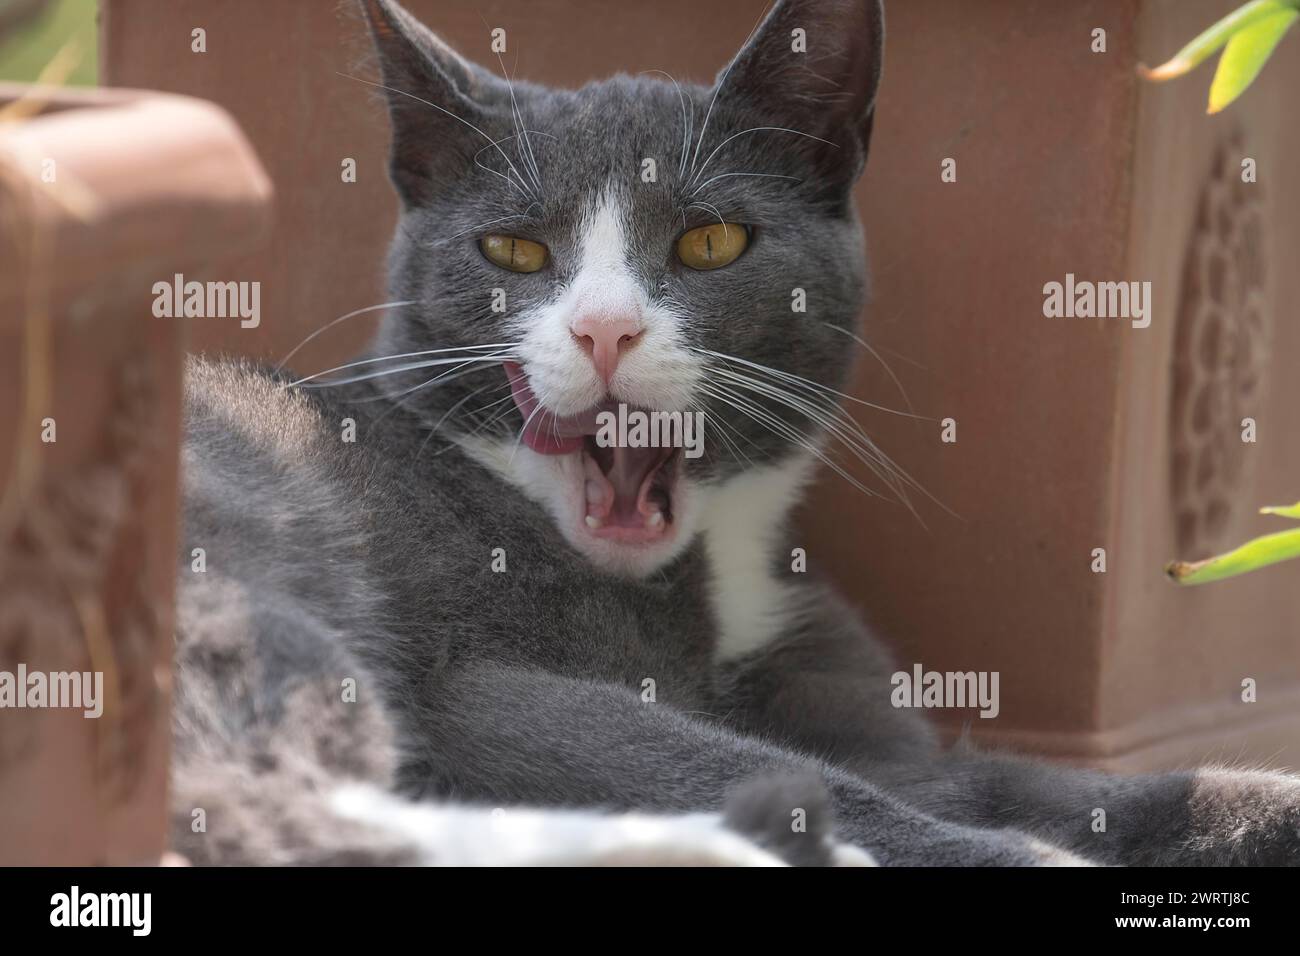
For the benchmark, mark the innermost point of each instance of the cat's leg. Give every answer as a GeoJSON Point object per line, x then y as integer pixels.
{"type": "Point", "coordinates": [278, 762]}
{"type": "Point", "coordinates": [1215, 817]}
{"type": "Point", "coordinates": [272, 711]}
{"type": "Point", "coordinates": [265, 728]}
{"type": "Point", "coordinates": [825, 687]}
{"type": "Point", "coordinates": [283, 755]}
{"type": "Point", "coordinates": [503, 735]}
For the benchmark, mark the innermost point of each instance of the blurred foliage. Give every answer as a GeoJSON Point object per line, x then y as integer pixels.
{"type": "Point", "coordinates": [32, 41]}
{"type": "Point", "coordinates": [1247, 37]}
{"type": "Point", "coordinates": [1256, 553]}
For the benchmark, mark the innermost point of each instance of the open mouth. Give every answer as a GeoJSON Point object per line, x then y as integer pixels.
{"type": "Point", "coordinates": [627, 492]}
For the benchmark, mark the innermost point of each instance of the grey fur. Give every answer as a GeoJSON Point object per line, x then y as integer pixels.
{"type": "Point", "coordinates": [371, 561]}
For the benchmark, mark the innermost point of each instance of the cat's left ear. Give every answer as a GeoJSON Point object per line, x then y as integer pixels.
{"type": "Point", "coordinates": [437, 100]}
{"type": "Point", "coordinates": [815, 65]}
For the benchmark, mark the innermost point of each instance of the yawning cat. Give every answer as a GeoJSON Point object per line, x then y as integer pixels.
{"type": "Point", "coordinates": [427, 581]}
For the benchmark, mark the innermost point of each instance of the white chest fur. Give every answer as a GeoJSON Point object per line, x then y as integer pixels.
{"type": "Point", "coordinates": [742, 522]}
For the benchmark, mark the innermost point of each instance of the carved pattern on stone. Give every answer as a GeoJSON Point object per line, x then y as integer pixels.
{"type": "Point", "coordinates": [1220, 353]}
{"type": "Point", "coordinates": [72, 571]}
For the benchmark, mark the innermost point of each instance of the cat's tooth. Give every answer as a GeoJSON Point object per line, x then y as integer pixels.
{"type": "Point", "coordinates": [593, 522]}
{"type": "Point", "coordinates": [655, 519]}
{"type": "Point", "coordinates": [595, 493]}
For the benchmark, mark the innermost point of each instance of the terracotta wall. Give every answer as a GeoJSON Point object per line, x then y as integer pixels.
{"type": "Point", "coordinates": [1067, 430]}
{"type": "Point", "coordinates": [1226, 344]}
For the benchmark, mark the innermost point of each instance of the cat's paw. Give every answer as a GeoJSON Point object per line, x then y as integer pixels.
{"type": "Point", "coordinates": [789, 814]}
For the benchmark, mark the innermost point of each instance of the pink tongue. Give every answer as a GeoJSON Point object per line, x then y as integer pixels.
{"type": "Point", "coordinates": [544, 432]}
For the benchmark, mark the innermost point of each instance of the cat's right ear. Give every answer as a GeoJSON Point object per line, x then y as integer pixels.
{"type": "Point", "coordinates": [436, 100]}
{"type": "Point", "coordinates": [815, 65]}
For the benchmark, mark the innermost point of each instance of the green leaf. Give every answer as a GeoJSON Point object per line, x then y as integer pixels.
{"type": "Point", "coordinates": [1258, 553]}
{"type": "Point", "coordinates": [1246, 54]}
{"type": "Point", "coordinates": [1289, 511]}
{"type": "Point", "coordinates": [1196, 52]}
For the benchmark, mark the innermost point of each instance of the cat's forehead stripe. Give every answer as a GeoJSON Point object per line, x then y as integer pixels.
{"type": "Point", "coordinates": [604, 279]}
{"type": "Point", "coordinates": [604, 237]}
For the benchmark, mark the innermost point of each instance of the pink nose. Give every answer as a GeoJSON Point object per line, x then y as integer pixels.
{"type": "Point", "coordinates": [605, 338]}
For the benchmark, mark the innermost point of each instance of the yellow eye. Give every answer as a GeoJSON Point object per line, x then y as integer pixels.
{"type": "Point", "coordinates": [712, 247]}
{"type": "Point", "coordinates": [510, 252]}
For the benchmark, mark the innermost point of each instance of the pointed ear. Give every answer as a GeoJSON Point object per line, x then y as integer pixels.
{"type": "Point", "coordinates": [816, 65]}
{"type": "Point", "coordinates": [435, 96]}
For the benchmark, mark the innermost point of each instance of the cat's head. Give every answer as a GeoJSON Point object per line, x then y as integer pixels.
{"type": "Point", "coordinates": [660, 245]}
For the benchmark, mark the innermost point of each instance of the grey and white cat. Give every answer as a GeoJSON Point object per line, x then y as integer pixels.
{"type": "Point", "coordinates": [501, 591]}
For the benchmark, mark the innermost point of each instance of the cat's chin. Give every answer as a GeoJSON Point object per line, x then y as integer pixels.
{"type": "Point", "coordinates": [630, 534]}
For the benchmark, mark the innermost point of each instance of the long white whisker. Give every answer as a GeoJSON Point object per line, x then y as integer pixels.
{"type": "Point", "coordinates": [435, 106]}
{"type": "Point", "coordinates": [484, 408]}
{"type": "Point", "coordinates": [686, 126]}
{"type": "Point", "coordinates": [713, 179]}
{"type": "Point", "coordinates": [831, 419]}
{"type": "Point", "coordinates": [718, 397]}
{"type": "Point", "coordinates": [876, 355]}
{"type": "Point", "coordinates": [497, 416]}
{"type": "Point", "coordinates": [448, 376]}
{"type": "Point", "coordinates": [783, 429]}
{"type": "Point", "coordinates": [722, 80]}
{"type": "Point", "coordinates": [757, 129]}
{"type": "Point", "coordinates": [715, 211]}
{"type": "Point", "coordinates": [402, 355]}
{"type": "Point", "coordinates": [445, 415]}
{"type": "Point", "coordinates": [520, 185]}
{"type": "Point", "coordinates": [828, 418]}
{"type": "Point", "coordinates": [821, 410]}
{"type": "Point", "coordinates": [397, 402]}
{"type": "Point", "coordinates": [806, 382]}
{"type": "Point", "coordinates": [491, 420]}
{"type": "Point", "coordinates": [723, 427]}
{"type": "Point", "coordinates": [503, 139]}
{"type": "Point", "coordinates": [842, 426]}
{"type": "Point", "coordinates": [479, 164]}
{"type": "Point", "coordinates": [817, 406]}
{"type": "Point", "coordinates": [526, 154]}
{"type": "Point", "coordinates": [527, 422]}
{"type": "Point", "coordinates": [490, 222]}
{"type": "Point", "coordinates": [401, 368]}
{"type": "Point", "coordinates": [325, 328]}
